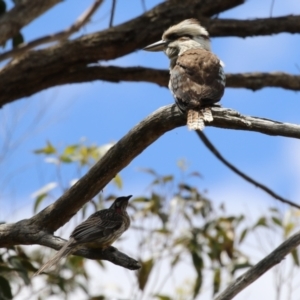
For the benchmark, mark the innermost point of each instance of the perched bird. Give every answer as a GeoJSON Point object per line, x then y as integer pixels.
{"type": "Point", "coordinates": [100, 230]}
{"type": "Point", "coordinates": [197, 78]}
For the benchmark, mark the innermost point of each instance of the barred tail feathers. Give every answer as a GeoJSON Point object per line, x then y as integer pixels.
{"type": "Point", "coordinates": [195, 119]}
{"type": "Point", "coordinates": [64, 251]}
{"type": "Point", "coordinates": [207, 115]}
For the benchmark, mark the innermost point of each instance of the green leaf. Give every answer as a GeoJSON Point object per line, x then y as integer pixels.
{"type": "Point", "coordinates": [277, 221]}
{"type": "Point", "coordinates": [149, 171]}
{"type": "Point", "coordinates": [70, 150]}
{"type": "Point", "coordinates": [288, 229]}
{"type": "Point", "coordinates": [217, 280]}
{"type": "Point", "coordinates": [118, 181]}
{"type": "Point", "coordinates": [40, 194]}
{"type": "Point", "coordinates": [83, 287]}
{"type": "Point", "coordinates": [38, 201]}
{"type": "Point", "coordinates": [168, 178]}
{"type": "Point", "coordinates": [273, 209]}
{"type": "Point", "coordinates": [144, 272]}
{"type": "Point", "coordinates": [17, 40]}
{"type": "Point", "coordinates": [195, 174]}
{"type": "Point", "coordinates": [28, 265]}
{"type": "Point", "coordinates": [243, 235]}
{"type": "Point", "coordinates": [197, 261]}
{"type": "Point", "coordinates": [198, 284]}
{"type": "Point", "coordinates": [17, 263]}
{"type": "Point", "coordinates": [183, 186]}
{"type": "Point", "coordinates": [295, 256]}
{"type": "Point", "coordinates": [99, 297]}
{"type": "Point", "coordinates": [49, 149]}
{"type": "Point", "coordinates": [240, 266]}
{"type": "Point", "coordinates": [162, 297]}
{"type": "Point", "coordinates": [5, 289]}
{"type": "Point", "coordinates": [141, 199]}
{"type": "Point", "coordinates": [175, 260]}
{"type": "Point", "coordinates": [261, 222]}
{"type": "Point", "coordinates": [163, 231]}
{"type": "Point", "coordinates": [65, 159]}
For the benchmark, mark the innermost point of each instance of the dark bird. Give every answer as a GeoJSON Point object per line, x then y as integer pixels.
{"type": "Point", "coordinates": [197, 78]}
{"type": "Point", "coordinates": [100, 230]}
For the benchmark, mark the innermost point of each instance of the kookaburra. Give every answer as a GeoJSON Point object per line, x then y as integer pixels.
{"type": "Point", "coordinates": [197, 78]}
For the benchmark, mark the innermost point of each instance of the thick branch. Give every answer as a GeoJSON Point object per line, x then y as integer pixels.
{"type": "Point", "coordinates": [22, 14]}
{"type": "Point", "coordinates": [111, 253]}
{"type": "Point", "coordinates": [82, 20]}
{"type": "Point", "coordinates": [114, 42]}
{"type": "Point", "coordinates": [245, 28]}
{"type": "Point", "coordinates": [39, 228]}
{"type": "Point", "coordinates": [259, 269]}
{"type": "Point", "coordinates": [132, 144]}
{"type": "Point", "coordinates": [254, 81]}
{"type": "Point", "coordinates": [27, 233]}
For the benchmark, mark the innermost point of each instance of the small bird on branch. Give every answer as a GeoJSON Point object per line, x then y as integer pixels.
{"type": "Point", "coordinates": [100, 230]}
{"type": "Point", "coordinates": [197, 78]}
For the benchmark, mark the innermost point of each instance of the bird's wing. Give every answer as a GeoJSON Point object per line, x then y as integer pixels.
{"type": "Point", "coordinates": [197, 79]}
{"type": "Point", "coordinates": [100, 224]}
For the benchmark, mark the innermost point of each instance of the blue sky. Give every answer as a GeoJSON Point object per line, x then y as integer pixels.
{"type": "Point", "coordinates": [103, 112]}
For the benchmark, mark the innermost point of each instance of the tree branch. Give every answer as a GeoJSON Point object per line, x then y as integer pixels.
{"type": "Point", "coordinates": [26, 232]}
{"type": "Point", "coordinates": [260, 268]}
{"type": "Point", "coordinates": [22, 14]}
{"type": "Point", "coordinates": [257, 80]}
{"type": "Point", "coordinates": [40, 65]}
{"type": "Point", "coordinates": [40, 227]}
{"type": "Point", "coordinates": [213, 149]}
{"type": "Point", "coordinates": [253, 81]}
{"type": "Point", "coordinates": [63, 63]}
{"type": "Point", "coordinates": [245, 28]}
{"type": "Point", "coordinates": [132, 144]}
{"type": "Point", "coordinates": [81, 21]}
{"type": "Point", "coordinates": [10, 90]}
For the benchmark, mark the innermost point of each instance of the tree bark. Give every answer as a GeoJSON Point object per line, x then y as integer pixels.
{"type": "Point", "coordinates": [21, 14]}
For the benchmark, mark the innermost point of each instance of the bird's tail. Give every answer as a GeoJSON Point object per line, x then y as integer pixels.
{"type": "Point", "coordinates": [195, 119]}
{"type": "Point", "coordinates": [64, 251]}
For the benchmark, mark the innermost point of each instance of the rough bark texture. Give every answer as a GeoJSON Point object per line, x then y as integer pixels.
{"type": "Point", "coordinates": [245, 28]}
{"type": "Point", "coordinates": [132, 144]}
{"type": "Point", "coordinates": [27, 232]}
{"type": "Point", "coordinates": [65, 63]}
{"type": "Point", "coordinates": [22, 14]}
{"type": "Point", "coordinates": [69, 62]}
{"type": "Point", "coordinates": [40, 228]}
{"type": "Point", "coordinates": [253, 81]}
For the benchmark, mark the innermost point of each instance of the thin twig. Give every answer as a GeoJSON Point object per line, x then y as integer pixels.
{"type": "Point", "coordinates": [22, 14]}
{"type": "Point", "coordinates": [113, 8]}
{"type": "Point", "coordinates": [213, 149]}
{"type": "Point", "coordinates": [271, 8]}
{"type": "Point", "coordinates": [144, 5]}
{"type": "Point", "coordinates": [260, 268]}
{"type": "Point", "coordinates": [62, 35]}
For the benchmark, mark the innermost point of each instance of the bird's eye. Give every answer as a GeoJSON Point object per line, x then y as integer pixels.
{"type": "Point", "coordinates": [172, 37]}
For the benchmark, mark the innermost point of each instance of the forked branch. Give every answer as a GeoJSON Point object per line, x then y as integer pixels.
{"type": "Point", "coordinates": [40, 228]}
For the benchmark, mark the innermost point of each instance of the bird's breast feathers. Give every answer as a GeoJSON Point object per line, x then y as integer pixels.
{"type": "Point", "coordinates": [197, 79]}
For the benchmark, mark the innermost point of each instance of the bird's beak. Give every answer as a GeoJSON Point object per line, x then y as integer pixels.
{"type": "Point", "coordinates": [158, 46]}
{"type": "Point", "coordinates": [128, 197]}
